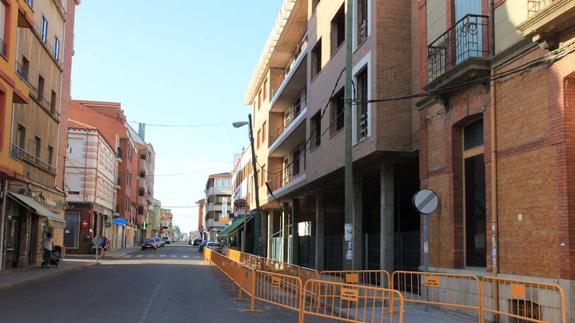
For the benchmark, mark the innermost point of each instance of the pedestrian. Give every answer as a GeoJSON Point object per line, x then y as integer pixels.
{"type": "Point", "coordinates": [104, 242]}
{"type": "Point", "coordinates": [48, 246]}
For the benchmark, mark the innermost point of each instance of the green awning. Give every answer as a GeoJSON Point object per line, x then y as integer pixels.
{"type": "Point", "coordinates": [39, 209]}
{"type": "Point", "coordinates": [232, 227]}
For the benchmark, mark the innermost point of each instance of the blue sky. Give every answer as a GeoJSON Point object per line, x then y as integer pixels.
{"type": "Point", "coordinates": [188, 62]}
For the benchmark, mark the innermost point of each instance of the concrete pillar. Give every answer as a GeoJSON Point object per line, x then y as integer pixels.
{"type": "Point", "coordinates": [319, 231]}
{"type": "Point", "coordinates": [295, 234]}
{"type": "Point", "coordinates": [285, 233]}
{"type": "Point", "coordinates": [270, 230]}
{"type": "Point", "coordinates": [243, 239]}
{"type": "Point", "coordinates": [387, 217]}
{"type": "Point", "coordinates": [264, 234]}
{"type": "Point", "coordinates": [358, 239]}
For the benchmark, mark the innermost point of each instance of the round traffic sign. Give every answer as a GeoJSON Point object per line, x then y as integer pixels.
{"type": "Point", "coordinates": [425, 201]}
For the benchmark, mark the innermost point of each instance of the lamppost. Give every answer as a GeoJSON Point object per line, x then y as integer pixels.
{"type": "Point", "coordinates": [258, 225]}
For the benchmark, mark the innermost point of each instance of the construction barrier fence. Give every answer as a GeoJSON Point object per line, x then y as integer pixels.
{"type": "Point", "coordinates": [278, 289]}
{"type": "Point", "coordinates": [350, 303]}
{"type": "Point", "coordinates": [457, 291]}
{"type": "Point", "coordinates": [487, 298]}
{"type": "Point", "coordinates": [376, 278]}
{"type": "Point", "coordinates": [523, 301]}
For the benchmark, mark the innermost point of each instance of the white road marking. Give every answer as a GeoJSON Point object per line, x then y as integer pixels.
{"type": "Point", "coordinates": [147, 309]}
{"type": "Point", "coordinates": [186, 256]}
{"type": "Point", "coordinates": [162, 256]}
{"type": "Point", "coordinates": [139, 256]}
{"type": "Point", "coordinates": [128, 256]}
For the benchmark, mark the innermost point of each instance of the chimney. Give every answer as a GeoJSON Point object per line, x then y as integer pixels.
{"type": "Point", "coordinates": [142, 131]}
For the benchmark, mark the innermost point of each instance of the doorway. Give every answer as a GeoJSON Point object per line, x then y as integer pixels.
{"type": "Point", "coordinates": [406, 218]}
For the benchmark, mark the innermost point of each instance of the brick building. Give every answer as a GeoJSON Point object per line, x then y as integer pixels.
{"type": "Point", "coordinates": [496, 143]}
{"type": "Point", "coordinates": [297, 97]}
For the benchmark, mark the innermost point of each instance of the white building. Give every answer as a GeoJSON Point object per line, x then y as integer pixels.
{"type": "Point", "coordinates": [91, 178]}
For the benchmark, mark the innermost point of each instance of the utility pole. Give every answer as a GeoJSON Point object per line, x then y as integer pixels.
{"type": "Point", "coordinates": [257, 220]}
{"type": "Point", "coordinates": [349, 195]}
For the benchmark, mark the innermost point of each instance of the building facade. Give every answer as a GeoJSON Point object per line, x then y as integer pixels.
{"type": "Point", "coordinates": [297, 95]}
{"type": "Point", "coordinates": [218, 204]}
{"type": "Point", "coordinates": [109, 118]}
{"type": "Point", "coordinates": [91, 178]}
{"type": "Point", "coordinates": [496, 148]}
{"type": "Point", "coordinates": [33, 71]}
{"type": "Point", "coordinates": [201, 211]}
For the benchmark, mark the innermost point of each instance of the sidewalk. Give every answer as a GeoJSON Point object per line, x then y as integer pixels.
{"type": "Point", "coordinates": [11, 278]}
{"type": "Point", "coordinates": [118, 253]}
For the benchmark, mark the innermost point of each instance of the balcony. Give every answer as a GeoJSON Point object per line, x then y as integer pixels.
{"type": "Point", "coordinates": [547, 19]}
{"type": "Point", "coordinates": [294, 79]}
{"type": "Point", "coordinates": [459, 54]}
{"type": "Point", "coordinates": [292, 174]}
{"type": "Point", "coordinates": [141, 183]}
{"type": "Point", "coordinates": [55, 52]}
{"type": "Point", "coordinates": [141, 200]}
{"type": "Point", "coordinates": [35, 94]}
{"type": "Point", "coordinates": [140, 219]}
{"type": "Point", "coordinates": [218, 191]}
{"type": "Point", "coordinates": [290, 135]}
{"type": "Point", "coordinates": [20, 153]}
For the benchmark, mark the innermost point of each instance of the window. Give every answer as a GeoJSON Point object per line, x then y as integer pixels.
{"type": "Point", "coordinates": [37, 147]}
{"type": "Point", "coordinates": [44, 34]}
{"type": "Point", "coordinates": [141, 192]}
{"type": "Point", "coordinates": [264, 132]}
{"type": "Point", "coordinates": [296, 160]}
{"type": "Point", "coordinates": [21, 136]}
{"type": "Point", "coordinates": [40, 88]}
{"type": "Point", "coordinates": [263, 176]}
{"type": "Point", "coordinates": [56, 48]}
{"type": "Point", "coordinates": [265, 89]}
{"type": "Point", "coordinates": [3, 50]}
{"type": "Point", "coordinates": [316, 130]}
{"type": "Point", "coordinates": [474, 195]}
{"type": "Point", "coordinates": [337, 112]}
{"type": "Point", "coordinates": [72, 231]}
{"type": "Point", "coordinates": [316, 59]}
{"type": "Point", "coordinates": [23, 69]}
{"type": "Point", "coordinates": [259, 99]}
{"type": "Point", "coordinates": [337, 30]}
{"type": "Point", "coordinates": [50, 155]}
{"type": "Point", "coordinates": [53, 102]}
{"type": "Point", "coordinates": [140, 210]}
{"type": "Point", "coordinates": [361, 117]}
{"type": "Point", "coordinates": [128, 179]}
{"type": "Point", "coordinates": [362, 21]}
{"type": "Point", "coordinates": [259, 138]}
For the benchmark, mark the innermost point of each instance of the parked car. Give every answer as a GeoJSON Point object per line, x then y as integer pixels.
{"type": "Point", "coordinates": [167, 240]}
{"type": "Point", "coordinates": [159, 241]}
{"type": "Point", "coordinates": [216, 246]}
{"type": "Point", "coordinates": [149, 244]}
{"type": "Point", "coordinates": [196, 242]}
{"type": "Point", "coordinates": [202, 245]}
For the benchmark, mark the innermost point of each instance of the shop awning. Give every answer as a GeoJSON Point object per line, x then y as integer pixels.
{"type": "Point", "coordinates": [233, 227]}
{"type": "Point", "coordinates": [28, 202]}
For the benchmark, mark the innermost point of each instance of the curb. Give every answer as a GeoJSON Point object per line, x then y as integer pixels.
{"type": "Point", "coordinates": [47, 276]}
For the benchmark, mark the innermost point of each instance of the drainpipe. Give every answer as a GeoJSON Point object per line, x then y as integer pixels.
{"type": "Point", "coordinates": [2, 221]}
{"type": "Point", "coordinates": [494, 219]}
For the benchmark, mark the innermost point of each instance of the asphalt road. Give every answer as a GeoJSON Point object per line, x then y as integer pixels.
{"type": "Point", "coordinates": [170, 284]}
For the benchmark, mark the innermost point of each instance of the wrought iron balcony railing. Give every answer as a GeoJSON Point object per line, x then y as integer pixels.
{"type": "Point", "coordinates": [3, 49]}
{"type": "Point", "coordinates": [469, 37]}
{"type": "Point", "coordinates": [22, 154]}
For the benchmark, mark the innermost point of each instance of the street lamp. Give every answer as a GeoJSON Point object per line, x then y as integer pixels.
{"type": "Point", "coordinates": [258, 225]}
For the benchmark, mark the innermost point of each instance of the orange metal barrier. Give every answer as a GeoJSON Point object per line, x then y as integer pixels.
{"type": "Point", "coordinates": [350, 303]}
{"type": "Point", "coordinates": [243, 277]}
{"type": "Point", "coordinates": [458, 291]}
{"type": "Point", "coordinates": [523, 301]}
{"type": "Point", "coordinates": [278, 289]}
{"type": "Point", "coordinates": [377, 278]}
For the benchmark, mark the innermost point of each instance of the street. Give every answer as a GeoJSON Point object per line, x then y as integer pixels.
{"type": "Point", "coordinates": [171, 284]}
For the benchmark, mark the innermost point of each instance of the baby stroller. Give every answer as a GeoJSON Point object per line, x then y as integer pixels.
{"type": "Point", "coordinates": [55, 257]}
